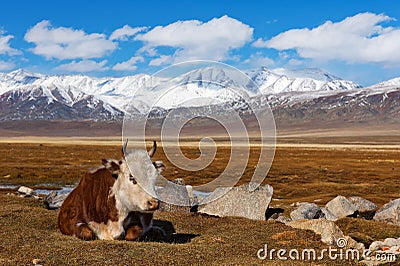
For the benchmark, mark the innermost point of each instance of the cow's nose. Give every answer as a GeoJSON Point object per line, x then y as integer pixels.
{"type": "Point", "coordinates": [152, 204]}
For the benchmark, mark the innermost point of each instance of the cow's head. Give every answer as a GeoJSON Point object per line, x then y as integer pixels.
{"type": "Point", "coordinates": [136, 167]}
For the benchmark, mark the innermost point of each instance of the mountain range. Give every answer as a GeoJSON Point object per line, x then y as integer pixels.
{"type": "Point", "coordinates": [306, 96]}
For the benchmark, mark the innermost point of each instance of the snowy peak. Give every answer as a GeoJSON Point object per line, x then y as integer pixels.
{"type": "Point", "coordinates": [282, 81]}
{"type": "Point", "coordinates": [389, 83]}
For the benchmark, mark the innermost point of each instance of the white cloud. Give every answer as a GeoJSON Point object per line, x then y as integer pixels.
{"type": "Point", "coordinates": [357, 39]}
{"type": "Point", "coordinates": [67, 43]}
{"type": "Point", "coordinates": [84, 66]}
{"type": "Point", "coordinates": [128, 65]}
{"type": "Point", "coordinates": [6, 65]}
{"type": "Point", "coordinates": [194, 39]}
{"type": "Point", "coordinates": [125, 32]}
{"type": "Point", "coordinates": [258, 60]}
{"type": "Point", "coordinates": [161, 60]}
{"type": "Point", "coordinates": [5, 47]}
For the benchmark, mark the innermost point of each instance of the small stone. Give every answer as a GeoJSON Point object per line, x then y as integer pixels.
{"type": "Point", "coordinates": [376, 245]}
{"type": "Point", "coordinates": [328, 230]}
{"type": "Point", "coordinates": [366, 209]}
{"type": "Point", "coordinates": [283, 219]}
{"type": "Point", "coordinates": [392, 242]}
{"type": "Point", "coordinates": [389, 213]}
{"type": "Point", "coordinates": [307, 211]}
{"type": "Point", "coordinates": [328, 215]}
{"type": "Point", "coordinates": [341, 207]}
{"type": "Point", "coordinates": [273, 213]}
{"type": "Point", "coordinates": [36, 262]}
{"type": "Point", "coordinates": [25, 190]}
{"type": "Point", "coordinates": [54, 200]}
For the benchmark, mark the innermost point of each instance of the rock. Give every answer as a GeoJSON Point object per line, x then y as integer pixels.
{"type": "Point", "coordinates": [283, 219]}
{"type": "Point", "coordinates": [242, 201]}
{"type": "Point", "coordinates": [328, 215]}
{"type": "Point", "coordinates": [25, 191]}
{"type": "Point", "coordinates": [307, 211]}
{"type": "Point", "coordinates": [362, 238]}
{"type": "Point", "coordinates": [392, 242]}
{"type": "Point", "coordinates": [389, 213]}
{"type": "Point", "coordinates": [192, 197]}
{"type": "Point", "coordinates": [37, 262]}
{"type": "Point", "coordinates": [366, 209]}
{"type": "Point", "coordinates": [329, 231]}
{"type": "Point", "coordinates": [54, 200]}
{"type": "Point", "coordinates": [273, 213]}
{"type": "Point", "coordinates": [176, 195]}
{"type": "Point", "coordinates": [376, 245]}
{"type": "Point", "coordinates": [341, 207]}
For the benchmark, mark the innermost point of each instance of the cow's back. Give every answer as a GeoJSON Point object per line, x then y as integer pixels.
{"type": "Point", "coordinates": [89, 201]}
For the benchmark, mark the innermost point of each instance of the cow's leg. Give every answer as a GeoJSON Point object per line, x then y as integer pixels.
{"type": "Point", "coordinates": [133, 233]}
{"type": "Point", "coordinates": [150, 232]}
{"type": "Point", "coordinates": [83, 231]}
{"type": "Point", "coordinates": [100, 230]}
{"type": "Point", "coordinates": [154, 233]}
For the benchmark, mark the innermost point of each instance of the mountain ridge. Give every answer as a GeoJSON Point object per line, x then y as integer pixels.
{"type": "Point", "coordinates": [30, 96]}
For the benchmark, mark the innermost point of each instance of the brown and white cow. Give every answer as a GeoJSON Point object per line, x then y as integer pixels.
{"type": "Point", "coordinates": [109, 204]}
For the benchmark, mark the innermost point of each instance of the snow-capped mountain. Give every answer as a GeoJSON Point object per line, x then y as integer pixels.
{"type": "Point", "coordinates": [389, 83]}
{"type": "Point", "coordinates": [282, 80]}
{"type": "Point", "coordinates": [25, 95]}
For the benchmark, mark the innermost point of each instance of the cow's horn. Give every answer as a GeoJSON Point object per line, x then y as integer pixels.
{"type": "Point", "coordinates": [153, 149]}
{"type": "Point", "coordinates": [124, 147]}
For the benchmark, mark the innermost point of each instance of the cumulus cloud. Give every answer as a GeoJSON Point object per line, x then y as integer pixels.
{"type": "Point", "coordinates": [6, 65]}
{"type": "Point", "coordinates": [357, 39]}
{"type": "Point", "coordinates": [128, 65]}
{"type": "Point", "coordinates": [193, 39]}
{"type": "Point", "coordinates": [5, 47]}
{"type": "Point", "coordinates": [125, 32]}
{"type": "Point", "coordinates": [258, 60]}
{"type": "Point", "coordinates": [161, 60]}
{"type": "Point", "coordinates": [67, 43]}
{"type": "Point", "coordinates": [84, 66]}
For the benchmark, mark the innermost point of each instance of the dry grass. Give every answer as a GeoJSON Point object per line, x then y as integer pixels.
{"type": "Point", "coordinates": [297, 174]}
{"type": "Point", "coordinates": [31, 233]}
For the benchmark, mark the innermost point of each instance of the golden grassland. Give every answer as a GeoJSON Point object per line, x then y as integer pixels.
{"type": "Point", "coordinates": [312, 170]}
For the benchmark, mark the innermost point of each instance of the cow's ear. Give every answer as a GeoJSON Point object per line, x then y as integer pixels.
{"type": "Point", "coordinates": [159, 165]}
{"type": "Point", "coordinates": [104, 162]}
{"type": "Point", "coordinates": [114, 167]}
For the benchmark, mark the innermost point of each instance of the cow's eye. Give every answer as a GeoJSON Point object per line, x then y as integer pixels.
{"type": "Point", "coordinates": [132, 179]}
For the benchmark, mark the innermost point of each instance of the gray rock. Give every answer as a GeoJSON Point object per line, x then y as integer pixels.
{"type": "Point", "coordinates": [192, 197]}
{"type": "Point", "coordinates": [391, 242]}
{"type": "Point", "coordinates": [25, 191]}
{"type": "Point", "coordinates": [307, 211]}
{"type": "Point", "coordinates": [176, 197]}
{"type": "Point", "coordinates": [242, 201]}
{"type": "Point", "coordinates": [54, 200]}
{"type": "Point", "coordinates": [328, 230]}
{"type": "Point", "coordinates": [283, 219]}
{"type": "Point", "coordinates": [389, 213]}
{"type": "Point", "coordinates": [328, 215]}
{"type": "Point", "coordinates": [341, 207]}
{"type": "Point", "coordinates": [366, 209]}
{"type": "Point", "coordinates": [376, 245]}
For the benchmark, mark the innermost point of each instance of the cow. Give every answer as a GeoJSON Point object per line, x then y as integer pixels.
{"type": "Point", "coordinates": [109, 204]}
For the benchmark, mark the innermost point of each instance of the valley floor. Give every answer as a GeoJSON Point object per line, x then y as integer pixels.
{"type": "Point", "coordinates": [313, 169]}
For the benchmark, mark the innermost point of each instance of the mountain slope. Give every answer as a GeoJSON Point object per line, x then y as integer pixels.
{"type": "Point", "coordinates": [293, 95]}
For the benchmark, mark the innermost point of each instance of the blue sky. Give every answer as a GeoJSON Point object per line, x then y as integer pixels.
{"type": "Point", "coordinates": [356, 40]}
